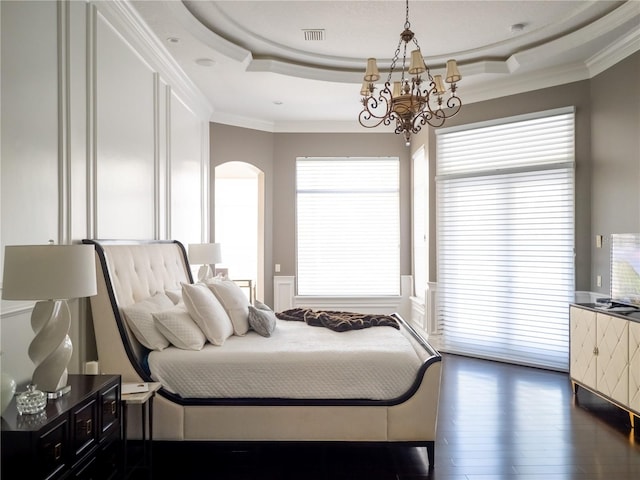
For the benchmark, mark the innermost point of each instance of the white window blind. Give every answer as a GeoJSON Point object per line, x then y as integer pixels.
{"type": "Point", "coordinates": [505, 238]}
{"type": "Point", "coordinates": [348, 226]}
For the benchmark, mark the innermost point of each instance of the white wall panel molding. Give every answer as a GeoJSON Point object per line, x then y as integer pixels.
{"type": "Point", "coordinates": [165, 145]}
{"type": "Point", "coordinates": [127, 20]}
{"type": "Point", "coordinates": [64, 127]}
{"type": "Point", "coordinates": [284, 298]}
{"type": "Point", "coordinates": [13, 308]}
{"type": "Point", "coordinates": [204, 187]}
{"type": "Point", "coordinates": [406, 290]}
{"type": "Point", "coordinates": [383, 305]}
{"type": "Point", "coordinates": [186, 157]}
{"type": "Point", "coordinates": [158, 165]}
{"type": "Point", "coordinates": [284, 289]}
{"type": "Point", "coordinates": [418, 316]}
{"type": "Point", "coordinates": [125, 145]}
{"type": "Point", "coordinates": [92, 156]}
{"type": "Point", "coordinates": [431, 307]}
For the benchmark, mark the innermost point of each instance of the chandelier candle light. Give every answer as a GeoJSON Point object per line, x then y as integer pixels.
{"type": "Point", "coordinates": [412, 101]}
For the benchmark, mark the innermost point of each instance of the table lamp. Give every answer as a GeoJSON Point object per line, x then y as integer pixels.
{"type": "Point", "coordinates": [50, 274]}
{"type": "Point", "coordinates": [205, 254]}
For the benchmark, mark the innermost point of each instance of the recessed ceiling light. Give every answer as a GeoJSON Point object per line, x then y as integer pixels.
{"type": "Point", "coordinates": [277, 102]}
{"type": "Point", "coordinates": [173, 39]}
{"type": "Point", "coordinates": [205, 62]}
{"type": "Point", "coordinates": [517, 27]}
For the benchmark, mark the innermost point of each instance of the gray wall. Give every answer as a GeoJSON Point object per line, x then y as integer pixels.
{"type": "Point", "coordinates": [275, 154]}
{"type": "Point", "coordinates": [607, 165]}
{"type": "Point", "coordinates": [607, 158]}
{"type": "Point", "coordinates": [289, 146]}
{"type": "Point", "coordinates": [615, 160]}
{"type": "Point", "coordinates": [235, 144]}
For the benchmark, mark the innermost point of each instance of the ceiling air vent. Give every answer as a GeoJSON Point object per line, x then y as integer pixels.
{"type": "Point", "coordinates": [313, 34]}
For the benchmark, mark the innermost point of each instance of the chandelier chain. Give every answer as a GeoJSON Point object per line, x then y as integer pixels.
{"type": "Point", "coordinates": [407, 25]}
{"type": "Point", "coordinates": [396, 56]}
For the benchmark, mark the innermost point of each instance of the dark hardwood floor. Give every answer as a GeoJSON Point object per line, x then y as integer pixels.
{"type": "Point", "coordinates": [496, 421]}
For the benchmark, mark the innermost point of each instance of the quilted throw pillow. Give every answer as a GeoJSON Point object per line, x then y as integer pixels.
{"type": "Point", "coordinates": [207, 312]}
{"type": "Point", "coordinates": [140, 320]}
{"type": "Point", "coordinates": [179, 328]}
{"type": "Point", "coordinates": [262, 319]}
{"type": "Point", "coordinates": [234, 301]}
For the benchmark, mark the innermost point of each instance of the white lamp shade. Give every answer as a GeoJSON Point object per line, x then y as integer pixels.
{"type": "Point", "coordinates": [371, 74]}
{"type": "Point", "coordinates": [204, 253]}
{"type": "Point", "coordinates": [453, 74]}
{"type": "Point", "coordinates": [43, 272]}
{"type": "Point", "coordinates": [439, 86]}
{"type": "Point", "coordinates": [364, 89]}
{"type": "Point", "coordinates": [397, 89]}
{"type": "Point", "coordinates": [417, 63]}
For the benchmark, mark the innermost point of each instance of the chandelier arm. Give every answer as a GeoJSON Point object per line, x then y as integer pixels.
{"type": "Point", "coordinates": [454, 104]}
{"type": "Point", "coordinates": [376, 110]}
{"type": "Point", "coordinates": [434, 118]}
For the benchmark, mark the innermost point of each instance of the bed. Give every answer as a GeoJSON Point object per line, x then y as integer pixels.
{"type": "Point", "coordinates": [238, 397]}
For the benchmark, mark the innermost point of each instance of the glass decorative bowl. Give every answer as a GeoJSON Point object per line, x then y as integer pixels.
{"type": "Point", "coordinates": [32, 420]}
{"type": "Point", "coordinates": [31, 401]}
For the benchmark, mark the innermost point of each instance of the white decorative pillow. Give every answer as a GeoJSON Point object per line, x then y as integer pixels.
{"type": "Point", "coordinates": [234, 301]}
{"type": "Point", "coordinates": [207, 312]}
{"type": "Point", "coordinates": [174, 295]}
{"type": "Point", "coordinates": [262, 321]}
{"type": "Point", "coordinates": [179, 328]}
{"type": "Point", "coordinates": [140, 320]}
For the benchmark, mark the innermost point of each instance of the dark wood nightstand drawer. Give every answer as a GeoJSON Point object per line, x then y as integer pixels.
{"type": "Point", "coordinates": [76, 436]}
{"type": "Point", "coordinates": [53, 450]}
{"type": "Point", "coordinates": [84, 420]}
{"type": "Point", "coordinates": [109, 400]}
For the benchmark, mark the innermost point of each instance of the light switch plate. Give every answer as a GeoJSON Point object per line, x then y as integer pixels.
{"type": "Point", "coordinates": [598, 241]}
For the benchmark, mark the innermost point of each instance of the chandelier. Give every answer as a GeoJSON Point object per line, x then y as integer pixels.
{"type": "Point", "coordinates": [412, 101]}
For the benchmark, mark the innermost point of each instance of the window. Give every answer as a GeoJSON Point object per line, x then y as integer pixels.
{"type": "Point", "coordinates": [420, 223]}
{"type": "Point", "coordinates": [505, 238]}
{"type": "Point", "coordinates": [348, 226]}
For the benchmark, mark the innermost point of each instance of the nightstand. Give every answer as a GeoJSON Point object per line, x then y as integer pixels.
{"type": "Point", "coordinates": [145, 400]}
{"type": "Point", "coordinates": [76, 435]}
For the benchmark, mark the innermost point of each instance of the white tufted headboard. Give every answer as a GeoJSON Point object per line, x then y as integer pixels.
{"type": "Point", "coordinates": [129, 272]}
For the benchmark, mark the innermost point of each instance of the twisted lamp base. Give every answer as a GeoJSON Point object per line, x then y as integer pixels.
{"type": "Point", "coordinates": [51, 348]}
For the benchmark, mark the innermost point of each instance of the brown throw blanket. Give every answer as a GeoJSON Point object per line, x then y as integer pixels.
{"type": "Point", "coordinates": [338, 321]}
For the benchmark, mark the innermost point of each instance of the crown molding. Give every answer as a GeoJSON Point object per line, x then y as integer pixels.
{"type": "Point", "coordinates": [614, 53]}
{"type": "Point", "coordinates": [628, 13]}
{"type": "Point", "coordinates": [123, 16]}
{"type": "Point", "coordinates": [518, 83]}
{"type": "Point", "coordinates": [242, 121]}
{"type": "Point", "coordinates": [221, 45]}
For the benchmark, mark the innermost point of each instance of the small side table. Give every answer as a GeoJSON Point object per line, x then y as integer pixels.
{"type": "Point", "coordinates": [145, 400]}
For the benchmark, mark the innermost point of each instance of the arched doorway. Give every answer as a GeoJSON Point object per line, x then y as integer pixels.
{"type": "Point", "coordinates": [239, 222]}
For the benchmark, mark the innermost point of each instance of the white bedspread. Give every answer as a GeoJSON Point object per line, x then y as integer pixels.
{"type": "Point", "coordinates": [297, 361]}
